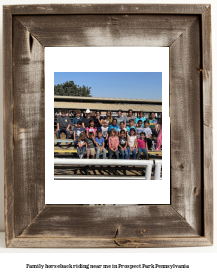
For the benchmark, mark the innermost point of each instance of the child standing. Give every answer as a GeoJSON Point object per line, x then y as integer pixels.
{"type": "Point", "coordinates": [99, 140]}
{"type": "Point", "coordinates": [76, 132]}
{"type": "Point", "coordinates": [90, 145]}
{"type": "Point", "coordinates": [91, 128]}
{"type": "Point", "coordinates": [81, 145]}
{"type": "Point", "coordinates": [139, 128]}
{"type": "Point", "coordinates": [132, 143]}
{"type": "Point", "coordinates": [142, 145]}
{"type": "Point", "coordinates": [105, 132]}
{"type": "Point", "coordinates": [148, 134]}
{"type": "Point", "coordinates": [113, 144]}
{"type": "Point", "coordinates": [123, 143]}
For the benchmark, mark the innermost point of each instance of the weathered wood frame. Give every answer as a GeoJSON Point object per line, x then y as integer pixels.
{"type": "Point", "coordinates": [186, 29]}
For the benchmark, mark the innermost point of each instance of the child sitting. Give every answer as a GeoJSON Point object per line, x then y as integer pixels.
{"type": "Point", "coordinates": [91, 128]}
{"type": "Point", "coordinates": [132, 143]}
{"type": "Point", "coordinates": [139, 128]}
{"type": "Point", "coordinates": [81, 145]}
{"type": "Point", "coordinates": [113, 144]}
{"type": "Point", "coordinates": [76, 132]}
{"type": "Point", "coordinates": [142, 145]}
{"type": "Point", "coordinates": [131, 125]}
{"type": "Point", "coordinates": [148, 134]}
{"type": "Point", "coordinates": [123, 143]}
{"type": "Point", "coordinates": [99, 140]}
{"type": "Point", "coordinates": [104, 129]}
{"type": "Point", "coordinates": [90, 145]}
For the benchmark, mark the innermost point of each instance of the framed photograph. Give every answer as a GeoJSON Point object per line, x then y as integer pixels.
{"type": "Point", "coordinates": [51, 197]}
{"type": "Point", "coordinates": [142, 85]}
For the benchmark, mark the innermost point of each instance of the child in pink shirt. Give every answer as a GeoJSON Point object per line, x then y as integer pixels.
{"type": "Point", "coordinates": [113, 144]}
{"type": "Point", "coordinates": [142, 145]}
{"type": "Point", "coordinates": [91, 128]}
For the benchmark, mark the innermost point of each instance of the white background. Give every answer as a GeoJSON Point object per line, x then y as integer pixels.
{"type": "Point", "coordinates": [106, 59]}
{"type": "Point", "coordinates": [202, 264]}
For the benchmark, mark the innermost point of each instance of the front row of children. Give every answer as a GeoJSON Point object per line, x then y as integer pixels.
{"type": "Point", "coordinates": [124, 144]}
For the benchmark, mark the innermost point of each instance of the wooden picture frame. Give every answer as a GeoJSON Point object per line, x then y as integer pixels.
{"type": "Point", "coordinates": [188, 220]}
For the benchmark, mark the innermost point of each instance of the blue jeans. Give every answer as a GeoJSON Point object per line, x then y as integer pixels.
{"type": "Point", "coordinates": [98, 153]}
{"type": "Point", "coordinates": [129, 152]}
{"type": "Point", "coordinates": [81, 150]}
{"type": "Point", "coordinates": [140, 150]}
{"type": "Point", "coordinates": [67, 132]}
{"type": "Point", "coordinates": [124, 153]}
{"type": "Point", "coordinates": [75, 143]}
{"type": "Point", "coordinates": [111, 153]}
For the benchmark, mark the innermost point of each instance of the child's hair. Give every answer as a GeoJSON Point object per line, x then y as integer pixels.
{"type": "Point", "coordinates": [114, 120]}
{"type": "Point", "coordinates": [79, 123]}
{"type": "Point", "coordinates": [78, 111]}
{"type": "Point", "coordinates": [132, 129]}
{"type": "Point", "coordinates": [90, 133]}
{"type": "Point", "coordinates": [105, 121]}
{"type": "Point", "coordinates": [131, 120]}
{"type": "Point", "coordinates": [91, 121]}
{"type": "Point", "coordinates": [112, 131]}
{"type": "Point", "coordinates": [63, 111]}
{"type": "Point", "coordinates": [152, 113]}
{"type": "Point", "coordinates": [82, 136]}
{"type": "Point", "coordinates": [98, 132]}
{"type": "Point", "coordinates": [122, 123]}
{"type": "Point", "coordinates": [141, 112]}
{"type": "Point", "coordinates": [146, 122]}
{"type": "Point", "coordinates": [139, 121]}
{"type": "Point", "coordinates": [122, 131]}
{"type": "Point", "coordinates": [120, 110]}
{"type": "Point", "coordinates": [143, 133]}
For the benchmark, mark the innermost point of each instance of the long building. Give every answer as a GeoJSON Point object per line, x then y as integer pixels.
{"type": "Point", "coordinates": [104, 104]}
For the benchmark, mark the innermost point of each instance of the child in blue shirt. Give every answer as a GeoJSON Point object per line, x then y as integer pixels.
{"type": "Point", "coordinates": [99, 141]}
{"type": "Point", "coordinates": [139, 128]}
{"type": "Point", "coordinates": [76, 132]}
{"type": "Point", "coordinates": [131, 125]}
{"type": "Point", "coordinates": [141, 117]}
{"type": "Point", "coordinates": [114, 126]}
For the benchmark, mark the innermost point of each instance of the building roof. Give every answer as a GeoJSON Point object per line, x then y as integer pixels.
{"type": "Point", "coordinates": [106, 106]}
{"type": "Point", "coordinates": [104, 99]}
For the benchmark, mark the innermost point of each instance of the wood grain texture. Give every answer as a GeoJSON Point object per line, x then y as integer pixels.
{"type": "Point", "coordinates": [69, 242]}
{"type": "Point", "coordinates": [8, 125]}
{"type": "Point", "coordinates": [107, 30]}
{"type": "Point", "coordinates": [207, 123]}
{"type": "Point", "coordinates": [109, 222]}
{"type": "Point", "coordinates": [28, 90]}
{"type": "Point", "coordinates": [185, 114]}
{"type": "Point", "coordinates": [29, 223]}
{"type": "Point", "coordinates": [106, 9]}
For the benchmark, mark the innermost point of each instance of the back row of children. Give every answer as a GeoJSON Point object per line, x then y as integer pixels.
{"type": "Point", "coordinates": [119, 140]}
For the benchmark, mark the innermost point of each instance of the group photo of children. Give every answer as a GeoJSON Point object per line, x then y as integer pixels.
{"type": "Point", "coordinates": [112, 135]}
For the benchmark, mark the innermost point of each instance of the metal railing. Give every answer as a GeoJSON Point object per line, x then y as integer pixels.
{"type": "Point", "coordinates": [148, 164]}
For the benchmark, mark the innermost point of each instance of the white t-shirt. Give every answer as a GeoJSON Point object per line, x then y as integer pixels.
{"type": "Point", "coordinates": [147, 131]}
{"type": "Point", "coordinates": [104, 131]}
{"type": "Point", "coordinates": [132, 140]}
